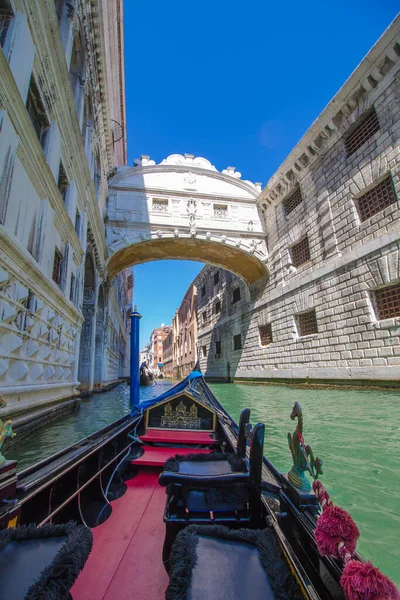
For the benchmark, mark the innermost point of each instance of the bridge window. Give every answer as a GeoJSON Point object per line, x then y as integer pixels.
{"type": "Point", "coordinates": [362, 132]}
{"type": "Point", "coordinates": [265, 332]}
{"type": "Point", "coordinates": [292, 201]}
{"type": "Point", "coordinates": [221, 211]}
{"type": "Point", "coordinates": [218, 350]}
{"type": "Point", "coordinates": [307, 323]}
{"type": "Point", "coordinates": [236, 295]}
{"type": "Point", "coordinates": [160, 205]}
{"type": "Point", "coordinates": [377, 199]}
{"type": "Point", "coordinates": [217, 307]}
{"type": "Point", "coordinates": [237, 342]}
{"type": "Point", "coordinates": [387, 302]}
{"type": "Point", "coordinates": [216, 277]}
{"type": "Point", "coordinates": [203, 291]}
{"type": "Point", "coordinates": [300, 252]}
{"type": "Point", "coordinates": [204, 317]}
{"type": "Point", "coordinates": [204, 351]}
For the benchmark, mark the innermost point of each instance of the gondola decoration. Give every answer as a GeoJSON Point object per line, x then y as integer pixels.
{"type": "Point", "coordinates": [336, 533]}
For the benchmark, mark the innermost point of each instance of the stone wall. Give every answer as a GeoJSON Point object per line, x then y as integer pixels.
{"type": "Point", "coordinates": [350, 254]}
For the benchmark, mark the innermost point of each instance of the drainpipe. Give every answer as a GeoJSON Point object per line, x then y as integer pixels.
{"type": "Point", "coordinates": [134, 371]}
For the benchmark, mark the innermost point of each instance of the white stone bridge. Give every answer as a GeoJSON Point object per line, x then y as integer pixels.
{"type": "Point", "coordinates": [184, 208]}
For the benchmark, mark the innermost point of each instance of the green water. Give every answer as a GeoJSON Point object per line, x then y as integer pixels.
{"type": "Point", "coordinates": [356, 433]}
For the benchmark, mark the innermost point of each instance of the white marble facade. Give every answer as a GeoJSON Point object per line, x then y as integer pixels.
{"type": "Point", "coordinates": [63, 322]}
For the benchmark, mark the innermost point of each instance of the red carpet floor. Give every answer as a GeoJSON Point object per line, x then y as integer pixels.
{"type": "Point", "coordinates": [126, 560]}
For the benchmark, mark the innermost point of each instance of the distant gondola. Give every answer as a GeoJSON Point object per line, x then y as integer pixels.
{"type": "Point", "coordinates": [146, 376]}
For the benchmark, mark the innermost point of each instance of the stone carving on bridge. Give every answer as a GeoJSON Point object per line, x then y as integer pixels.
{"type": "Point", "coordinates": [191, 209]}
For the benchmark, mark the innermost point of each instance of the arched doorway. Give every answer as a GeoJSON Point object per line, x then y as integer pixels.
{"type": "Point", "coordinates": [87, 334]}
{"type": "Point", "coordinates": [99, 342]}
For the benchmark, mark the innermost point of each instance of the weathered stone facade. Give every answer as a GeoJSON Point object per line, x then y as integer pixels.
{"type": "Point", "coordinates": [62, 133]}
{"type": "Point", "coordinates": [183, 336]}
{"type": "Point", "coordinates": [332, 224]}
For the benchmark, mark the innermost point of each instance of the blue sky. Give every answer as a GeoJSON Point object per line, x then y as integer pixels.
{"type": "Point", "coordinates": [236, 83]}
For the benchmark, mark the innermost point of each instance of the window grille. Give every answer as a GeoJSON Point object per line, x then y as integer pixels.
{"type": "Point", "coordinates": [265, 332]}
{"type": "Point", "coordinates": [362, 132]}
{"type": "Point", "coordinates": [307, 323]}
{"type": "Point", "coordinates": [160, 206]}
{"type": "Point", "coordinates": [292, 201]}
{"type": "Point", "coordinates": [237, 342]}
{"type": "Point", "coordinates": [216, 277]}
{"type": "Point", "coordinates": [236, 295]}
{"type": "Point", "coordinates": [57, 266]}
{"type": "Point", "coordinates": [37, 112]}
{"type": "Point", "coordinates": [300, 252]}
{"type": "Point", "coordinates": [221, 211]}
{"type": "Point", "coordinates": [204, 351]}
{"type": "Point", "coordinates": [218, 307]}
{"type": "Point", "coordinates": [387, 301]}
{"type": "Point", "coordinates": [377, 199]}
{"type": "Point", "coordinates": [218, 348]}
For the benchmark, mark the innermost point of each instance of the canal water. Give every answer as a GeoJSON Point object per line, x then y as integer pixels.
{"type": "Point", "coordinates": [355, 432]}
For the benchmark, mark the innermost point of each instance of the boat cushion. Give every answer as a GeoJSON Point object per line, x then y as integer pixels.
{"type": "Point", "coordinates": [216, 463]}
{"type": "Point", "coordinates": [217, 499]}
{"type": "Point", "coordinates": [216, 562]}
{"type": "Point", "coordinates": [42, 562]}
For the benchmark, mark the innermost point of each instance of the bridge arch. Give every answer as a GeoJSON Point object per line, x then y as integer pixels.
{"type": "Point", "coordinates": [183, 208]}
{"type": "Point", "coordinates": [226, 255]}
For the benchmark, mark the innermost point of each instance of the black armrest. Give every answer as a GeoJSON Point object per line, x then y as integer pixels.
{"type": "Point", "coordinates": [167, 477]}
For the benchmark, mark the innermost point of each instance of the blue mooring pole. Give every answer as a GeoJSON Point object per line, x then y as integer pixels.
{"type": "Point", "coordinates": [135, 376]}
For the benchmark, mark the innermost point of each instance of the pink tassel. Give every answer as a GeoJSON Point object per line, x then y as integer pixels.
{"type": "Point", "coordinates": [363, 581]}
{"type": "Point", "coordinates": [334, 526]}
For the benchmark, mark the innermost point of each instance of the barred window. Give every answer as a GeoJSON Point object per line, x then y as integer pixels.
{"type": "Point", "coordinates": [237, 342]}
{"type": "Point", "coordinates": [362, 132]}
{"type": "Point", "coordinates": [160, 206]}
{"type": "Point", "coordinates": [57, 266]}
{"type": "Point", "coordinates": [377, 199]}
{"type": "Point", "coordinates": [293, 200]}
{"type": "Point", "coordinates": [221, 211]}
{"type": "Point", "coordinates": [307, 323]}
{"type": "Point", "coordinates": [265, 332]}
{"type": "Point", "coordinates": [300, 252]}
{"type": "Point", "coordinates": [236, 295]}
{"type": "Point", "coordinates": [218, 347]}
{"type": "Point", "coordinates": [387, 301]}
{"type": "Point", "coordinates": [216, 277]}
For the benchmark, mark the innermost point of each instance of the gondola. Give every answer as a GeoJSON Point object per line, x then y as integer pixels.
{"type": "Point", "coordinates": [182, 501]}
{"type": "Point", "coordinates": [146, 376]}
